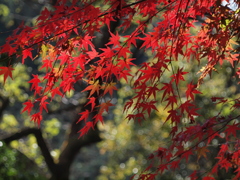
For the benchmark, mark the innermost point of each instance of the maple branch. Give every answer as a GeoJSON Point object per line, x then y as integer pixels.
{"type": "Point", "coordinates": [3, 105]}
{"type": "Point", "coordinates": [71, 147]}
{"type": "Point", "coordinates": [79, 24]}
{"type": "Point", "coordinates": [204, 139]}
{"type": "Point", "coordinates": [40, 141]}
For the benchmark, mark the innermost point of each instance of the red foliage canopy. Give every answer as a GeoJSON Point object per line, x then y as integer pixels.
{"type": "Point", "coordinates": [64, 40]}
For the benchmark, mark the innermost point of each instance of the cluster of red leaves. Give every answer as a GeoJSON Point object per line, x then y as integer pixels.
{"type": "Point", "coordinates": [64, 39]}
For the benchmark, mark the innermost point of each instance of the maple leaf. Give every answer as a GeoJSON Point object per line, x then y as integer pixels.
{"type": "Point", "coordinates": [128, 105]}
{"type": "Point", "coordinates": [224, 163]}
{"type": "Point", "coordinates": [80, 61]}
{"type": "Point", "coordinates": [29, 105]}
{"type": "Point", "coordinates": [34, 82]}
{"type": "Point", "coordinates": [107, 52]}
{"type": "Point", "coordinates": [91, 101]}
{"type": "Point", "coordinates": [86, 128]}
{"type": "Point", "coordinates": [178, 76]}
{"type": "Point", "coordinates": [43, 103]}
{"type": "Point", "coordinates": [109, 87]}
{"type": "Point", "coordinates": [192, 90]}
{"type": "Point", "coordinates": [56, 91]}
{"type": "Point", "coordinates": [202, 151]}
{"type": "Point", "coordinates": [152, 91]}
{"type": "Point", "coordinates": [6, 72]}
{"type": "Point", "coordinates": [193, 176]}
{"type": "Point", "coordinates": [93, 88]}
{"type": "Point", "coordinates": [44, 49]}
{"type": "Point", "coordinates": [171, 101]}
{"type": "Point", "coordinates": [104, 106]}
{"type": "Point", "coordinates": [124, 74]}
{"type": "Point", "coordinates": [126, 63]}
{"type": "Point", "coordinates": [223, 149]}
{"type": "Point", "coordinates": [186, 106]}
{"type": "Point", "coordinates": [173, 116]}
{"type": "Point", "coordinates": [149, 106]}
{"type": "Point", "coordinates": [98, 117]}
{"type": "Point", "coordinates": [26, 53]}
{"type": "Point", "coordinates": [86, 41]}
{"type": "Point", "coordinates": [6, 48]}
{"type": "Point", "coordinates": [37, 117]}
{"type": "Point", "coordinates": [114, 39]}
{"type": "Point", "coordinates": [46, 64]}
{"type": "Point", "coordinates": [92, 54]}
{"type": "Point", "coordinates": [175, 164]}
{"type": "Point", "coordinates": [162, 168]}
{"type": "Point", "coordinates": [123, 52]}
{"type": "Point", "coordinates": [186, 154]}
{"type": "Point", "coordinates": [168, 89]}
{"type": "Point", "coordinates": [147, 73]}
{"type": "Point", "coordinates": [99, 72]}
{"type": "Point", "coordinates": [44, 14]}
{"type": "Point", "coordinates": [232, 129]}
{"type": "Point", "coordinates": [132, 39]}
{"type": "Point", "coordinates": [84, 116]}
{"type": "Point", "coordinates": [238, 174]}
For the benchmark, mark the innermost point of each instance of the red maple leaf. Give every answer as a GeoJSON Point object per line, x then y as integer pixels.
{"type": "Point", "coordinates": [132, 39]}
{"type": "Point", "coordinates": [163, 167]}
{"type": "Point", "coordinates": [168, 89]}
{"type": "Point", "coordinates": [26, 53]}
{"type": "Point", "coordinates": [86, 128]}
{"type": "Point", "coordinates": [149, 106]}
{"type": "Point", "coordinates": [171, 101]}
{"type": "Point", "coordinates": [56, 91]}
{"type": "Point", "coordinates": [93, 88]}
{"type": "Point", "coordinates": [104, 106]}
{"type": "Point", "coordinates": [84, 116]}
{"type": "Point", "coordinates": [232, 129]}
{"type": "Point", "coordinates": [98, 117]}
{"type": "Point", "coordinates": [37, 117]}
{"type": "Point", "coordinates": [114, 39]}
{"type": "Point", "coordinates": [6, 48]}
{"type": "Point", "coordinates": [173, 116]}
{"type": "Point", "coordinates": [178, 76]}
{"type": "Point", "coordinates": [43, 103]}
{"type": "Point", "coordinates": [92, 101]}
{"type": "Point", "coordinates": [174, 164]}
{"type": "Point", "coordinates": [186, 154]}
{"type": "Point", "coordinates": [193, 176]}
{"type": "Point", "coordinates": [92, 54]}
{"type": "Point", "coordinates": [34, 82]}
{"type": "Point", "coordinates": [29, 105]}
{"type": "Point", "coordinates": [109, 87]}
{"type": "Point", "coordinates": [6, 72]}
{"type": "Point", "coordinates": [191, 91]}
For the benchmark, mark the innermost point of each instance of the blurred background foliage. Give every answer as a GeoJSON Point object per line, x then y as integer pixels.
{"type": "Point", "coordinates": [125, 145]}
{"type": "Point", "coordinates": [15, 165]}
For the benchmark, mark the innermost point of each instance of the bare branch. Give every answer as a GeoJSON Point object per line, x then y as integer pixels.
{"type": "Point", "coordinates": [40, 141]}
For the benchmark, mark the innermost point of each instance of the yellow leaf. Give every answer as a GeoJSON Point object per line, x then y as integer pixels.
{"type": "Point", "coordinates": [44, 51]}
